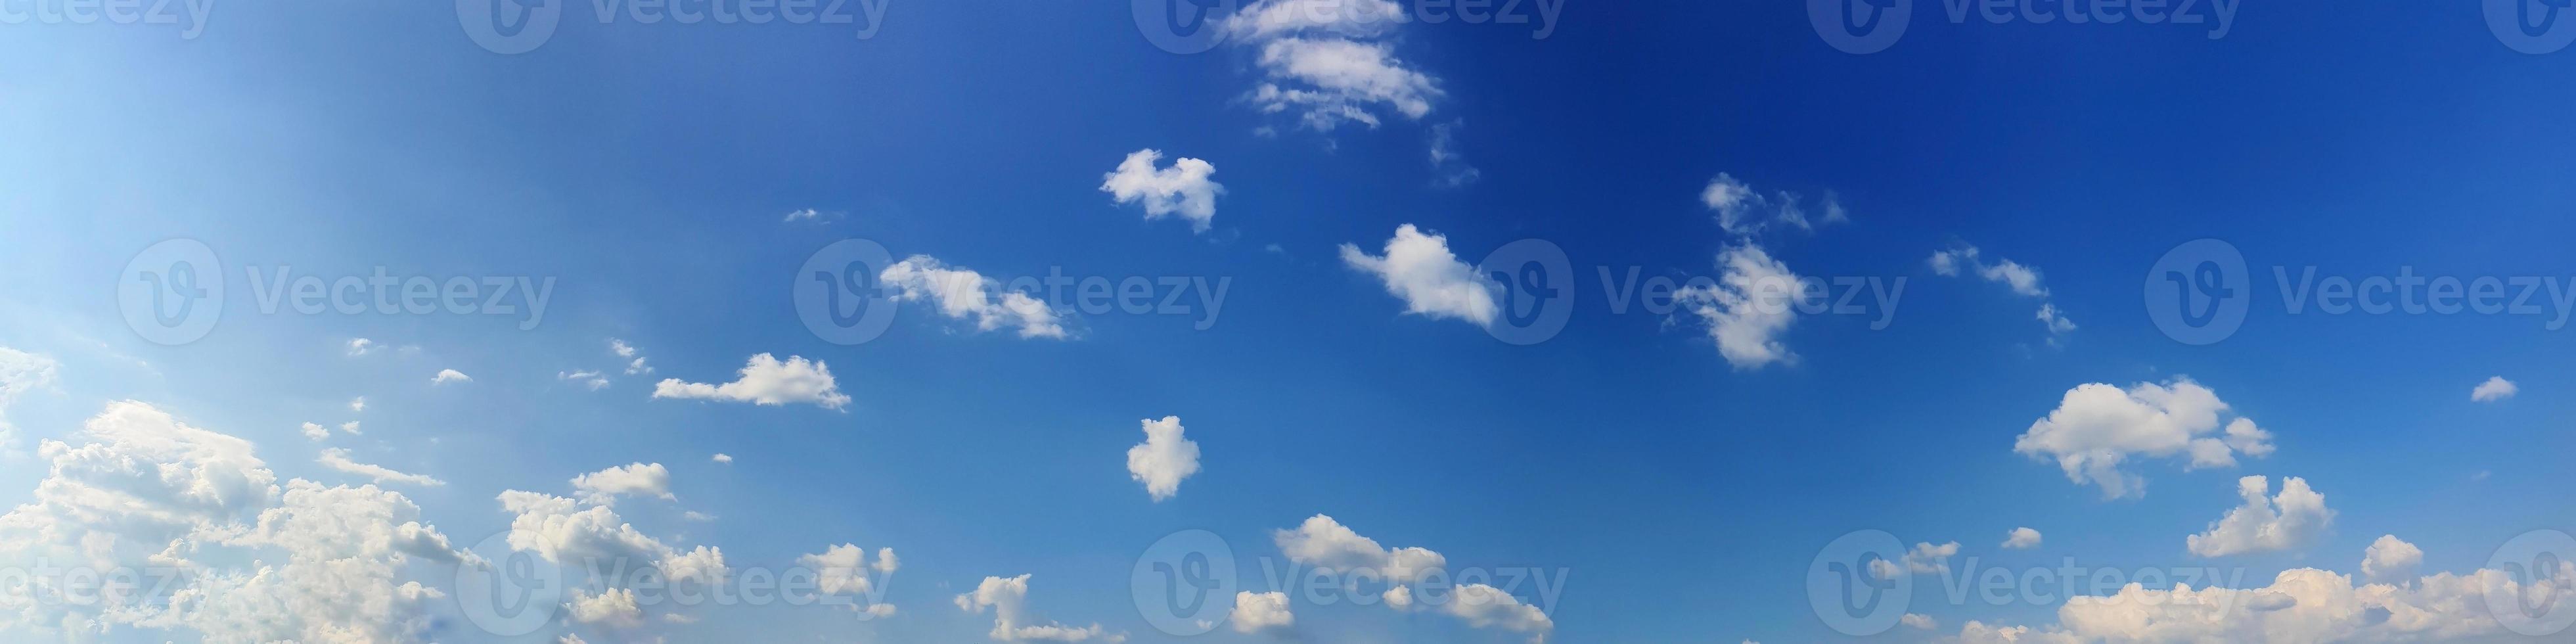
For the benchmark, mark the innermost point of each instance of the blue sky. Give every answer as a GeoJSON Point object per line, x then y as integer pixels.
{"type": "Point", "coordinates": [1679, 486]}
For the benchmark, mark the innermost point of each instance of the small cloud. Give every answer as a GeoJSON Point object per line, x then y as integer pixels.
{"type": "Point", "coordinates": [338, 459]}
{"type": "Point", "coordinates": [449, 375]}
{"type": "Point", "coordinates": [590, 379]}
{"type": "Point", "coordinates": [809, 214]}
{"type": "Point", "coordinates": [2021, 539]}
{"type": "Point", "coordinates": [766, 381]}
{"type": "Point", "coordinates": [2494, 389]}
{"type": "Point", "coordinates": [723, 458]}
{"type": "Point", "coordinates": [362, 346]}
{"type": "Point", "coordinates": [358, 404]}
{"type": "Point", "coordinates": [1183, 189]}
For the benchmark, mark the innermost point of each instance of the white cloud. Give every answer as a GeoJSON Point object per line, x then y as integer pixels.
{"type": "Point", "coordinates": [2021, 279]}
{"type": "Point", "coordinates": [592, 380]}
{"type": "Point", "coordinates": [2292, 519]}
{"type": "Point", "coordinates": [316, 431]}
{"type": "Point", "coordinates": [637, 480]}
{"type": "Point", "coordinates": [1743, 211]}
{"type": "Point", "coordinates": [613, 607]}
{"type": "Point", "coordinates": [20, 372]}
{"type": "Point", "coordinates": [2494, 389]}
{"type": "Point", "coordinates": [1012, 619]}
{"type": "Point", "coordinates": [1331, 62]}
{"type": "Point", "coordinates": [2390, 560]}
{"type": "Point", "coordinates": [1164, 459]}
{"type": "Point", "coordinates": [338, 459]}
{"type": "Point", "coordinates": [2097, 427]}
{"type": "Point", "coordinates": [843, 570]}
{"type": "Point", "coordinates": [1485, 606]}
{"type": "Point", "coordinates": [1182, 189]}
{"type": "Point", "coordinates": [2021, 539]}
{"type": "Point", "coordinates": [1325, 544]}
{"type": "Point", "coordinates": [449, 375]}
{"type": "Point", "coordinates": [1446, 160]}
{"type": "Point", "coordinates": [1925, 559]}
{"type": "Point", "coordinates": [362, 346]}
{"type": "Point", "coordinates": [1261, 613]}
{"type": "Point", "coordinates": [1918, 621]}
{"type": "Point", "coordinates": [569, 532]}
{"type": "Point", "coordinates": [1419, 269]}
{"type": "Point", "coordinates": [1748, 308]}
{"type": "Point", "coordinates": [806, 214]}
{"type": "Point", "coordinates": [265, 562]}
{"type": "Point", "coordinates": [635, 363]}
{"type": "Point", "coordinates": [962, 294]}
{"type": "Point", "coordinates": [2300, 605]}
{"type": "Point", "coordinates": [722, 458]}
{"type": "Point", "coordinates": [766, 381]}
{"type": "Point", "coordinates": [358, 404]}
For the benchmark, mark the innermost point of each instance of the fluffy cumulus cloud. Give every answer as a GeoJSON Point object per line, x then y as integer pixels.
{"type": "Point", "coordinates": [1183, 189]}
{"type": "Point", "coordinates": [964, 294]}
{"type": "Point", "coordinates": [2021, 539]}
{"type": "Point", "coordinates": [613, 607]}
{"type": "Point", "coordinates": [253, 559]}
{"type": "Point", "coordinates": [338, 459]}
{"type": "Point", "coordinates": [2289, 520]}
{"type": "Point", "coordinates": [1164, 459]}
{"type": "Point", "coordinates": [2022, 279]}
{"type": "Point", "coordinates": [1748, 308]}
{"type": "Point", "coordinates": [844, 570]}
{"type": "Point", "coordinates": [1742, 210]}
{"type": "Point", "coordinates": [1329, 546]}
{"type": "Point", "coordinates": [1924, 559]}
{"type": "Point", "coordinates": [1326, 544]}
{"type": "Point", "coordinates": [1261, 613]}
{"type": "Point", "coordinates": [2390, 560]}
{"type": "Point", "coordinates": [1418, 268]}
{"type": "Point", "coordinates": [2097, 428]}
{"type": "Point", "coordinates": [637, 480]}
{"type": "Point", "coordinates": [2304, 606]}
{"type": "Point", "coordinates": [2494, 389]}
{"type": "Point", "coordinates": [587, 534]}
{"type": "Point", "coordinates": [1330, 62]}
{"type": "Point", "coordinates": [1008, 600]}
{"type": "Point", "coordinates": [767, 381]}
